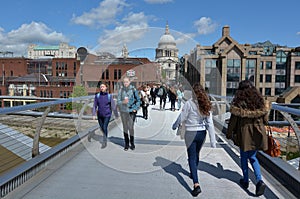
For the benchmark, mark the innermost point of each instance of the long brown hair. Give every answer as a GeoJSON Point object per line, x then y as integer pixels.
{"type": "Point", "coordinates": [248, 97]}
{"type": "Point", "coordinates": [203, 102]}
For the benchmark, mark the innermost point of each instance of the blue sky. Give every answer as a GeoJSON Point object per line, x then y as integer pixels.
{"type": "Point", "coordinates": [108, 25]}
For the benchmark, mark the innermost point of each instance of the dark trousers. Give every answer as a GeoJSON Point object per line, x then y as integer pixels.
{"type": "Point", "coordinates": [173, 104]}
{"type": "Point", "coordinates": [128, 125]}
{"type": "Point", "coordinates": [153, 99]}
{"type": "Point", "coordinates": [145, 111]}
{"type": "Point", "coordinates": [103, 123]}
{"type": "Point", "coordinates": [194, 141]}
{"type": "Point", "coordinates": [162, 102]}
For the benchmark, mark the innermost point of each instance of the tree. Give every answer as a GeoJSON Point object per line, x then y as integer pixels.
{"type": "Point", "coordinates": [78, 91]}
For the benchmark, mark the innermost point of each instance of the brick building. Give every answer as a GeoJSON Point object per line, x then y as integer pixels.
{"type": "Point", "coordinates": [106, 68]}
{"type": "Point", "coordinates": [44, 77]}
{"type": "Point", "coordinates": [220, 67]}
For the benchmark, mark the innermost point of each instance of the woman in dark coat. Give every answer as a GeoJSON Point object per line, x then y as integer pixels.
{"type": "Point", "coordinates": [247, 130]}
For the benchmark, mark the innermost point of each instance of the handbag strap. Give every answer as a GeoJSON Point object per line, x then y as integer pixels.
{"type": "Point", "coordinates": [269, 130]}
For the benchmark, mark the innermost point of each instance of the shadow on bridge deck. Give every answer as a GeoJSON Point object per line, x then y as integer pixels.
{"type": "Point", "coordinates": [158, 168]}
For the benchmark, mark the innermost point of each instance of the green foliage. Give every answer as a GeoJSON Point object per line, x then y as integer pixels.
{"type": "Point", "coordinates": [78, 91]}
{"type": "Point", "coordinates": [292, 155]}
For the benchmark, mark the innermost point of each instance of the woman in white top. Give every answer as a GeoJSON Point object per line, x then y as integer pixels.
{"type": "Point", "coordinates": [197, 117]}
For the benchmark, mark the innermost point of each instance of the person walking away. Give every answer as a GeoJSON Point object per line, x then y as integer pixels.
{"type": "Point", "coordinates": [104, 105]}
{"type": "Point", "coordinates": [162, 94]}
{"type": "Point", "coordinates": [197, 116]}
{"type": "Point", "coordinates": [153, 94]}
{"type": "Point", "coordinates": [173, 97]}
{"type": "Point", "coordinates": [246, 128]}
{"type": "Point", "coordinates": [145, 101]}
{"type": "Point", "coordinates": [180, 95]}
{"type": "Point", "coordinates": [128, 102]}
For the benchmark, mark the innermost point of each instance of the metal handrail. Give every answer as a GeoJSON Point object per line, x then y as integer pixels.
{"type": "Point", "coordinates": [15, 177]}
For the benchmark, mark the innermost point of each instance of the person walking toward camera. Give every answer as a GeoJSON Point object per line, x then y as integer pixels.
{"type": "Point", "coordinates": [180, 95]}
{"type": "Point", "coordinates": [145, 101]}
{"type": "Point", "coordinates": [103, 106]}
{"type": "Point", "coordinates": [246, 128]}
{"type": "Point", "coordinates": [128, 102]}
{"type": "Point", "coordinates": [197, 117]}
{"type": "Point", "coordinates": [173, 97]}
{"type": "Point", "coordinates": [153, 93]}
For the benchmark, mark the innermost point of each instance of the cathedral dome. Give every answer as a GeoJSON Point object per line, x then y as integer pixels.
{"type": "Point", "coordinates": [167, 40]}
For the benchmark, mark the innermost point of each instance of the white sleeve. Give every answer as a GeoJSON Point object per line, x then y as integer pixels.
{"type": "Point", "coordinates": [185, 111]}
{"type": "Point", "coordinates": [211, 130]}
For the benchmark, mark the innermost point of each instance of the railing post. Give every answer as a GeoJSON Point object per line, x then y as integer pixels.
{"type": "Point", "coordinates": [35, 147]}
{"type": "Point", "coordinates": [289, 118]}
{"type": "Point", "coordinates": [78, 126]}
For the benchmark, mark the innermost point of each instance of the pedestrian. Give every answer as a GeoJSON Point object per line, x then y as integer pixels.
{"type": "Point", "coordinates": [162, 94]}
{"type": "Point", "coordinates": [128, 102]}
{"type": "Point", "coordinates": [104, 105]}
{"type": "Point", "coordinates": [246, 128]}
{"type": "Point", "coordinates": [172, 97]}
{"type": "Point", "coordinates": [153, 93]}
{"type": "Point", "coordinates": [144, 101]}
{"type": "Point", "coordinates": [196, 115]}
{"type": "Point", "coordinates": [180, 95]}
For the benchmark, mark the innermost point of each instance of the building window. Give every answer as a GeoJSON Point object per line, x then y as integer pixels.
{"type": "Point", "coordinates": [267, 91]}
{"type": "Point", "coordinates": [297, 78]}
{"type": "Point", "coordinates": [297, 65]}
{"type": "Point", "coordinates": [268, 65]}
{"type": "Point", "coordinates": [103, 73]}
{"type": "Point", "coordinates": [261, 77]}
{"type": "Point", "coordinates": [233, 74]}
{"type": "Point", "coordinates": [107, 73]}
{"type": "Point", "coordinates": [250, 69]}
{"type": "Point", "coordinates": [261, 65]}
{"type": "Point", "coordinates": [268, 78]}
{"type": "Point", "coordinates": [120, 74]}
{"type": "Point", "coordinates": [115, 74]}
{"type": "Point", "coordinates": [280, 57]}
{"type": "Point", "coordinates": [280, 78]}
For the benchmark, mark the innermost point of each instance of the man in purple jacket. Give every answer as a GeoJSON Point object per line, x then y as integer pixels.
{"type": "Point", "coordinates": [103, 105]}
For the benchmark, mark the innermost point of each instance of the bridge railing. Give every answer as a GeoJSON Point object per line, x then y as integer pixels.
{"type": "Point", "coordinates": [34, 135]}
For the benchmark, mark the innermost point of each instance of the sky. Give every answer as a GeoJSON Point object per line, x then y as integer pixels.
{"type": "Point", "coordinates": [108, 25]}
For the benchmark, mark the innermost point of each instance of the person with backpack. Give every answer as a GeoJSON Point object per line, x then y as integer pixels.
{"type": "Point", "coordinates": [128, 102]}
{"type": "Point", "coordinates": [104, 105]}
{"type": "Point", "coordinates": [162, 94]}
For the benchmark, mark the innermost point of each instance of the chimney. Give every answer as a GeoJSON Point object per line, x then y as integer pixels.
{"type": "Point", "coordinates": [226, 31]}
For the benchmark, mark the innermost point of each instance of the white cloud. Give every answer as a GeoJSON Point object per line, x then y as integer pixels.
{"type": "Point", "coordinates": [298, 33]}
{"type": "Point", "coordinates": [18, 40]}
{"type": "Point", "coordinates": [103, 15]}
{"type": "Point", "coordinates": [184, 38]}
{"type": "Point", "coordinates": [205, 25]}
{"type": "Point", "coordinates": [132, 28]}
{"type": "Point", "coordinates": [158, 1]}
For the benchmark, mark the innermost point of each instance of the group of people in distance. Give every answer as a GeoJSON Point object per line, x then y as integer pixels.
{"type": "Point", "coordinates": [246, 125]}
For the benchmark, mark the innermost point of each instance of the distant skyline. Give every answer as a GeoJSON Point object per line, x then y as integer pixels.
{"type": "Point", "coordinates": [110, 24]}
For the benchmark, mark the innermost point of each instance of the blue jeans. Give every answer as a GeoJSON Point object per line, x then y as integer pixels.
{"type": "Point", "coordinates": [251, 155]}
{"type": "Point", "coordinates": [103, 123]}
{"type": "Point", "coordinates": [194, 141]}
